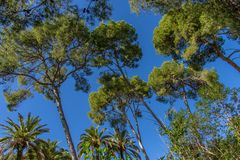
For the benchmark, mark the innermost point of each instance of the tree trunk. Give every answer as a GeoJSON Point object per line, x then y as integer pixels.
{"type": "Point", "coordinates": [224, 58]}
{"type": "Point", "coordinates": [93, 153]}
{"type": "Point", "coordinates": [121, 155]}
{"type": "Point", "coordinates": [142, 100]}
{"type": "Point", "coordinates": [138, 139]}
{"type": "Point", "coordinates": [200, 145]}
{"type": "Point", "coordinates": [186, 101]}
{"type": "Point", "coordinates": [65, 124]}
{"type": "Point", "coordinates": [19, 153]}
{"type": "Point", "coordinates": [161, 124]}
{"type": "Point", "coordinates": [97, 155]}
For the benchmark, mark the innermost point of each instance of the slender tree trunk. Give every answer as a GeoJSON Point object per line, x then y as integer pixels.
{"type": "Point", "coordinates": [224, 58]}
{"type": "Point", "coordinates": [200, 146]}
{"type": "Point", "coordinates": [19, 153]}
{"type": "Point", "coordinates": [159, 121]}
{"type": "Point", "coordinates": [65, 124]}
{"type": "Point", "coordinates": [121, 155]}
{"type": "Point", "coordinates": [97, 156]}
{"type": "Point", "coordinates": [138, 139]}
{"type": "Point", "coordinates": [161, 124]}
{"type": "Point", "coordinates": [186, 101]}
{"type": "Point", "coordinates": [93, 153]}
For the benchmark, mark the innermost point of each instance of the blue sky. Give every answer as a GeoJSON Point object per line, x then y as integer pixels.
{"type": "Point", "coordinates": [76, 103]}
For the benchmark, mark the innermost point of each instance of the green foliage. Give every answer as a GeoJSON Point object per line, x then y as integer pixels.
{"type": "Point", "coordinates": [16, 97]}
{"type": "Point", "coordinates": [226, 148]}
{"type": "Point", "coordinates": [223, 11]}
{"type": "Point", "coordinates": [157, 6]}
{"type": "Point", "coordinates": [95, 144]}
{"type": "Point", "coordinates": [43, 43]}
{"type": "Point", "coordinates": [184, 28]}
{"type": "Point", "coordinates": [45, 56]}
{"type": "Point", "coordinates": [182, 136]}
{"type": "Point", "coordinates": [50, 151]}
{"type": "Point", "coordinates": [115, 94]}
{"type": "Point", "coordinates": [22, 136]}
{"type": "Point", "coordinates": [215, 121]}
{"type": "Point", "coordinates": [229, 15]}
{"type": "Point", "coordinates": [196, 33]}
{"type": "Point", "coordinates": [176, 80]}
{"type": "Point", "coordinates": [124, 146]}
{"type": "Point", "coordinates": [115, 43]}
{"type": "Point", "coordinates": [234, 126]}
{"type": "Point", "coordinates": [115, 49]}
{"type": "Point", "coordinates": [19, 14]}
{"type": "Point", "coordinates": [97, 10]}
{"type": "Point", "coordinates": [22, 139]}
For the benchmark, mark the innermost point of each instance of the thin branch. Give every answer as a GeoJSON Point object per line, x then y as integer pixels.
{"type": "Point", "coordinates": [25, 75]}
{"type": "Point", "coordinates": [234, 52]}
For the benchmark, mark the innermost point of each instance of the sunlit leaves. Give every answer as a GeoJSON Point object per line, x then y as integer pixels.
{"type": "Point", "coordinates": [115, 42]}
{"type": "Point", "coordinates": [196, 33]}
{"type": "Point", "coordinates": [116, 92]}
{"type": "Point", "coordinates": [174, 79]}
{"type": "Point", "coordinates": [43, 57]}
{"type": "Point", "coordinates": [13, 98]}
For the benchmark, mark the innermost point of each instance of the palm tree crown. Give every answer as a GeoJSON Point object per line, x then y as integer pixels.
{"type": "Point", "coordinates": [50, 151]}
{"type": "Point", "coordinates": [92, 142]}
{"type": "Point", "coordinates": [22, 136]}
{"type": "Point", "coordinates": [96, 145]}
{"type": "Point", "coordinates": [124, 145]}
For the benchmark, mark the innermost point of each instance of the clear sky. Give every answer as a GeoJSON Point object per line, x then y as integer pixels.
{"type": "Point", "coordinates": [76, 103]}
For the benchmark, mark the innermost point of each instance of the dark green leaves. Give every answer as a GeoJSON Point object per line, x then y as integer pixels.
{"type": "Point", "coordinates": [97, 10]}
{"type": "Point", "coordinates": [115, 43]}
{"type": "Point", "coordinates": [20, 14]}
{"type": "Point", "coordinates": [182, 31]}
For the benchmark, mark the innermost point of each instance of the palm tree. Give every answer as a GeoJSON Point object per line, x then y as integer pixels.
{"type": "Point", "coordinates": [22, 136]}
{"type": "Point", "coordinates": [50, 151]}
{"type": "Point", "coordinates": [93, 142]}
{"type": "Point", "coordinates": [124, 145]}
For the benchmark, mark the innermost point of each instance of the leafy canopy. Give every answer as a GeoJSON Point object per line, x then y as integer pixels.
{"type": "Point", "coordinates": [115, 44]}
{"type": "Point", "coordinates": [20, 14]}
{"type": "Point", "coordinates": [43, 57]}
{"type": "Point", "coordinates": [196, 33]}
{"type": "Point", "coordinates": [217, 122]}
{"type": "Point", "coordinates": [115, 94]}
{"type": "Point", "coordinates": [174, 79]}
{"type": "Point", "coordinates": [116, 49]}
